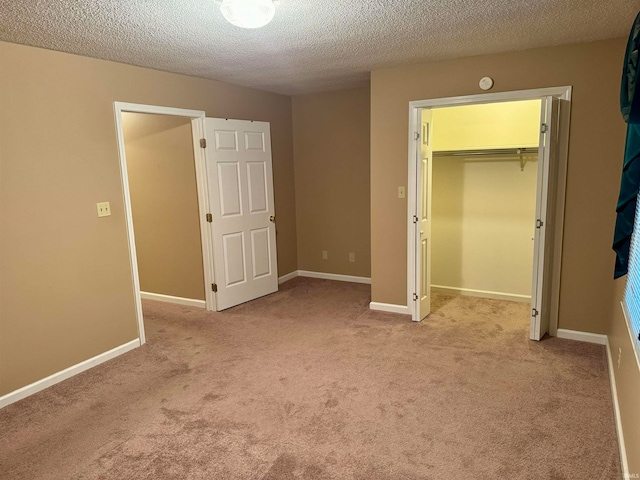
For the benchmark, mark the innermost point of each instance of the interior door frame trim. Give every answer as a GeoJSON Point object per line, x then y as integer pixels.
{"type": "Point", "coordinates": [415, 107]}
{"type": "Point", "coordinates": [197, 128]}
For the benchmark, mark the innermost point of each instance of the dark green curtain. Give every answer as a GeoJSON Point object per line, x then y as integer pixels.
{"type": "Point", "coordinates": [630, 183]}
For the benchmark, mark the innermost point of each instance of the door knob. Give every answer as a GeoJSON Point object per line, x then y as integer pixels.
{"type": "Point", "coordinates": [272, 218]}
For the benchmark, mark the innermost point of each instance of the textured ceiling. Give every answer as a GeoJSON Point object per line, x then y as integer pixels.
{"type": "Point", "coordinates": [311, 45]}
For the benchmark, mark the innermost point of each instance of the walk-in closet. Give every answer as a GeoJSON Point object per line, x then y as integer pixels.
{"type": "Point", "coordinates": [484, 180]}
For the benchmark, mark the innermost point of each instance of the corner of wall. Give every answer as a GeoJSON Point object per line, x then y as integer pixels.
{"type": "Point", "coordinates": [624, 370]}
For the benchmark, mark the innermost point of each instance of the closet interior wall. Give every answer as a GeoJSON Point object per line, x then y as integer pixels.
{"type": "Point", "coordinates": [164, 204]}
{"type": "Point", "coordinates": [483, 205]}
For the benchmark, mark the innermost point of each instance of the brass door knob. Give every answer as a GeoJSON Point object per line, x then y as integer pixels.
{"type": "Point", "coordinates": [272, 218]}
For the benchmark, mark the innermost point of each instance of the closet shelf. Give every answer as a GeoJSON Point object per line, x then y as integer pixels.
{"type": "Point", "coordinates": [486, 152]}
{"type": "Point", "coordinates": [519, 153]}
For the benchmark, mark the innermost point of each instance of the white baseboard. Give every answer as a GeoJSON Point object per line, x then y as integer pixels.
{"type": "Point", "coordinates": [57, 377]}
{"type": "Point", "coordinates": [624, 463]}
{"type": "Point", "coordinates": [604, 340]}
{"type": "Point", "coordinates": [389, 307]}
{"type": "Point", "coordinates": [582, 336]}
{"type": "Point", "coordinates": [324, 276]}
{"type": "Point", "coordinates": [287, 277]}
{"type": "Point", "coordinates": [513, 297]}
{"type": "Point", "coordinates": [159, 297]}
{"type": "Point", "coordinates": [334, 276]}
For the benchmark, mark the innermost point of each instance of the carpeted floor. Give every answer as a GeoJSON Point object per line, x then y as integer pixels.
{"type": "Point", "coordinates": [308, 383]}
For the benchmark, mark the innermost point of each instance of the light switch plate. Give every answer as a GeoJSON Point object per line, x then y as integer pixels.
{"type": "Point", "coordinates": [104, 209]}
{"type": "Point", "coordinates": [401, 192]}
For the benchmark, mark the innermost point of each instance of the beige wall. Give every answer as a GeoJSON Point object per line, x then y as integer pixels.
{"type": "Point", "coordinates": [627, 379]}
{"type": "Point", "coordinates": [331, 150]}
{"type": "Point", "coordinates": [483, 207]}
{"type": "Point", "coordinates": [483, 216]}
{"type": "Point", "coordinates": [595, 158]}
{"type": "Point", "coordinates": [489, 125]}
{"type": "Point", "coordinates": [66, 293]}
{"type": "Point", "coordinates": [164, 203]}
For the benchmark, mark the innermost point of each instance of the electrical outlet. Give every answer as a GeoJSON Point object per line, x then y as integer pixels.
{"type": "Point", "coordinates": [352, 257]}
{"type": "Point", "coordinates": [619, 356]}
{"type": "Point", "coordinates": [104, 209]}
{"type": "Point", "coordinates": [325, 255]}
{"type": "Point", "coordinates": [401, 192]}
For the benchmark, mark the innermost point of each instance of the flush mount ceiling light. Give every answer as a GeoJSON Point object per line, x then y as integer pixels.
{"type": "Point", "coordinates": [248, 13]}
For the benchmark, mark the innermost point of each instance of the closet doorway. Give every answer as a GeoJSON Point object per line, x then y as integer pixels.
{"type": "Point", "coordinates": [486, 199]}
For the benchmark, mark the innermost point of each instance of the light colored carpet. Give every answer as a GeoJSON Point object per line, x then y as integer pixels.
{"type": "Point", "coordinates": [310, 384]}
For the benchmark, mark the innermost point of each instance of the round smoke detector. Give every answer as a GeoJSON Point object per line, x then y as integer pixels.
{"type": "Point", "coordinates": [486, 83]}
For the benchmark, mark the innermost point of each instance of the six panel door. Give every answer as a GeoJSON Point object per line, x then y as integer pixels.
{"type": "Point", "coordinates": [240, 176]}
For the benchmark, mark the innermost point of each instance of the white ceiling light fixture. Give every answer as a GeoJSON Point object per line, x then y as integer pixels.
{"type": "Point", "coordinates": [248, 13]}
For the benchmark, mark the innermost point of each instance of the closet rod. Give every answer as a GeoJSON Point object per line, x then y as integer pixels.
{"type": "Point", "coordinates": [495, 151]}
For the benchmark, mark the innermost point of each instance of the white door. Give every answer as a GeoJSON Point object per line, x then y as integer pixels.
{"type": "Point", "coordinates": [543, 246]}
{"type": "Point", "coordinates": [423, 216]}
{"type": "Point", "coordinates": [243, 226]}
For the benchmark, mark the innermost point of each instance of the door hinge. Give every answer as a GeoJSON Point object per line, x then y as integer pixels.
{"type": "Point", "coordinates": [534, 312]}
{"type": "Point", "coordinates": [209, 218]}
{"type": "Point", "coordinates": [416, 135]}
{"type": "Point", "coordinates": [539, 223]}
{"type": "Point", "coordinates": [415, 219]}
{"type": "Point", "coordinates": [214, 287]}
{"type": "Point", "coordinates": [415, 297]}
{"type": "Point", "coordinates": [203, 143]}
{"type": "Point", "coordinates": [544, 128]}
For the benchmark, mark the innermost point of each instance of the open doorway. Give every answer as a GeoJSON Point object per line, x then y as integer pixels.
{"type": "Point", "coordinates": [486, 193]}
{"type": "Point", "coordinates": [235, 206]}
{"type": "Point", "coordinates": [484, 179]}
{"type": "Point", "coordinates": [153, 122]}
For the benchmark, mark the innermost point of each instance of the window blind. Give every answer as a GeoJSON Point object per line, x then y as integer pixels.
{"type": "Point", "coordinates": [632, 289]}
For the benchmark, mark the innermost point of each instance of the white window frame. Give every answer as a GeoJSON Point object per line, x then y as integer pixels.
{"type": "Point", "coordinates": [634, 269]}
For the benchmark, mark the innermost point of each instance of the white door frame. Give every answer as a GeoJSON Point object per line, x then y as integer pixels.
{"type": "Point", "coordinates": [415, 107]}
{"type": "Point", "coordinates": [197, 128]}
